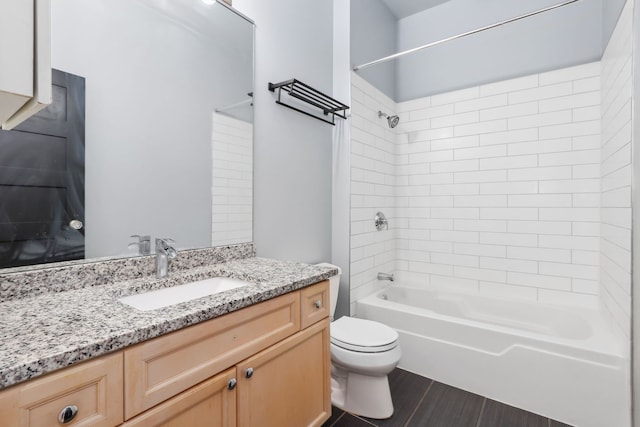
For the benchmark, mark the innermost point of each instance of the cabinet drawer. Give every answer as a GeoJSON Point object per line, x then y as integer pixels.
{"type": "Point", "coordinates": [315, 303]}
{"type": "Point", "coordinates": [211, 403]}
{"type": "Point", "coordinates": [165, 366]}
{"type": "Point", "coordinates": [95, 387]}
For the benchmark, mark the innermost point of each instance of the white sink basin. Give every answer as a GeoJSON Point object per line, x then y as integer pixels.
{"type": "Point", "coordinates": [153, 300]}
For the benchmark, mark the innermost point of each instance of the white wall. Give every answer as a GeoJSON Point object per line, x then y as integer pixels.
{"type": "Point", "coordinates": [567, 36]}
{"type": "Point", "coordinates": [611, 10]}
{"type": "Point", "coordinates": [232, 180]}
{"type": "Point", "coordinates": [618, 176]}
{"type": "Point", "coordinates": [373, 159]}
{"type": "Point", "coordinates": [511, 174]}
{"type": "Point", "coordinates": [374, 35]}
{"type": "Point", "coordinates": [497, 187]}
{"type": "Point", "coordinates": [635, 295]}
{"type": "Point", "coordinates": [617, 87]}
{"type": "Point", "coordinates": [292, 152]}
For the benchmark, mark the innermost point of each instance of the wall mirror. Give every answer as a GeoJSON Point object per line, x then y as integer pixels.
{"type": "Point", "coordinates": [163, 91]}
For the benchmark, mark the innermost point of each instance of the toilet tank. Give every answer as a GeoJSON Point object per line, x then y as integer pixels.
{"type": "Point", "coordinates": [334, 286]}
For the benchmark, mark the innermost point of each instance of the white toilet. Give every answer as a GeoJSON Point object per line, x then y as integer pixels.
{"type": "Point", "coordinates": [363, 353]}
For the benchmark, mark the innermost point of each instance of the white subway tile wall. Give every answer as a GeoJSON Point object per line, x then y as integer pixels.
{"type": "Point", "coordinates": [616, 170]}
{"type": "Point", "coordinates": [497, 188]}
{"type": "Point", "coordinates": [232, 186]}
{"type": "Point", "coordinates": [373, 187]}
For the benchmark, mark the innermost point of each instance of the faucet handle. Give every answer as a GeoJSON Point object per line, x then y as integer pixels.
{"type": "Point", "coordinates": [380, 221]}
{"type": "Point", "coordinates": [143, 243]}
{"type": "Point", "coordinates": [164, 241]}
{"type": "Point", "coordinates": [163, 245]}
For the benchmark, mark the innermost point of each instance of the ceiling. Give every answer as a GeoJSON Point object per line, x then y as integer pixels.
{"type": "Point", "coordinates": [403, 8]}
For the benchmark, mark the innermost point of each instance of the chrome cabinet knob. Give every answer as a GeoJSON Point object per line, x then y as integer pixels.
{"type": "Point", "coordinates": [248, 373]}
{"type": "Point", "coordinates": [232, 384]}
{"type": "Point", "coordinates": [67, 414]}
{"type": "Point", "coordinates": [318, 304]}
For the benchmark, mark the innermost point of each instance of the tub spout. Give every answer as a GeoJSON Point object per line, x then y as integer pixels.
{"type": "Point", "coordinates": [385, 276]}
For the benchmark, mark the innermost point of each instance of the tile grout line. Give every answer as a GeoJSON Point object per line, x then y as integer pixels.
{"type": "Point", "coordinates": [366, 421]}
{"type": "Point", "coordinates": [484, 402]}
{"type": "Point", "coordinates": [337, 419]}
{"type": "Point", "coordinates": [418, 404]}
{"type": "Point", "coordinates": [358, 417]}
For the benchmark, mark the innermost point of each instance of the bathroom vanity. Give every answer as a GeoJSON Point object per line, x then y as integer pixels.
{"type": "Point", "coordinates": [253, 356]}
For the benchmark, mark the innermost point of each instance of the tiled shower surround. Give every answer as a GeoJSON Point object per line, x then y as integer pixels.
{"type": "Point", "coordinates": [232, 187]}
{"type": "Point", "coordinates": [502, 189]}
{"type": "Point", "coordinates": [616, 173]}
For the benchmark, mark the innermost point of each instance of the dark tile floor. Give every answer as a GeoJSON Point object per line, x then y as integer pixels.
{"type": "Point", "coordinates": [421, 402]}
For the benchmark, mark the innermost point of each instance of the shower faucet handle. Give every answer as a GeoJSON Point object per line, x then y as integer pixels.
{"type": "Point", "coordinates": [380, 221]}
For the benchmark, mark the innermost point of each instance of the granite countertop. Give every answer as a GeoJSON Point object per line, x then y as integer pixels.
{"type": "Point", "coordinates": [50, 331]}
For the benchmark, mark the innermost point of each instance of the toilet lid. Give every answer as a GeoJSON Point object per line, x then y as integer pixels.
{"type": "Point", "coordinates": [362, 335]}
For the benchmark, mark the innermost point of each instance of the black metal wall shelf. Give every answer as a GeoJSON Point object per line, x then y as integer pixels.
{"type": "Point", "coordinates": [306, 93]}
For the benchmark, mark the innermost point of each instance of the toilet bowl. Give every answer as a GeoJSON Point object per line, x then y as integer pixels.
{"type": "Point", "coordinates": [363, 353]}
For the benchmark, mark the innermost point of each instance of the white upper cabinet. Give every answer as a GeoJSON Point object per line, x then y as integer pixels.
{"type": "Point", "coordinates": [25, 59]}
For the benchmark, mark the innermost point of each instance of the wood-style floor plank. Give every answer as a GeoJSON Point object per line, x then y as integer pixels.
{"type": "Point", "coordinates": [407, 390]}
{"type": "Point", "coordinates": [447, 406]}
{"type": "Point", "coordinates": [498, 414]}
{"type": "Point", "coordinates": [553, 423]}
{"type": "Point", "coordinates": [335, 414]}
{"type": "Point", "coordinates": [441, 406]}
{"type": "Point", "coordinates": [348, 420]}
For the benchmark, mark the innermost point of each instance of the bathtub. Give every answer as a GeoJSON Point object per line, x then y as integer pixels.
{"type": "Point", "coordinates": [563, 363]}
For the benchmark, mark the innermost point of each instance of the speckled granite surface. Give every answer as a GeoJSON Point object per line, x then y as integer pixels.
{"type": "Point", "coordinates": [26, 282]}
{"type": "Point", "coordinates": [52, 330]}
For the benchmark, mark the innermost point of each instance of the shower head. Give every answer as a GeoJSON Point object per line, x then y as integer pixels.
{"type": "Point", "coordinates": [391, 120]}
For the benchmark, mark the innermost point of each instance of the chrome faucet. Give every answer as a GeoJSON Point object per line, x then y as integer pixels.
{"type": "Point", "coordinates": [164, 252]}
{"type": "Point", "coordinates": [143, 244]}
{"type": "Point", "coordinates": [385, 276]}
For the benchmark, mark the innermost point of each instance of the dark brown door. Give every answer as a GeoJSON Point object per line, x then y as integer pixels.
{"type": "Point", "coordinates": [42, 181]}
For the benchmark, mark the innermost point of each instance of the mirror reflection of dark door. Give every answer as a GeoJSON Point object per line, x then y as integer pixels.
{"type": "Point", "coordinates": [42, 180]}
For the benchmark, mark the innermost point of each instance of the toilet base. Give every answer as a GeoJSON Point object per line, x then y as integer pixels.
{"type": "Point", "coordinates": [363, 395]}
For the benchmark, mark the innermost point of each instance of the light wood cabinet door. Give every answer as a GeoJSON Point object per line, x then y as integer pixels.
{"type": "Point", "coordinates": [290, 382]}
{"type": "Point", "coordinates": [209, 404]}
{"type": "Point", "coordinates": [161, 368]}
{"type": "Point", "coordinates": [94, 387]}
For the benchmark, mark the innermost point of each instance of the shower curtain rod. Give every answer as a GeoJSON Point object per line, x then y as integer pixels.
{"type": "Point", "coordinates": [468, 33]}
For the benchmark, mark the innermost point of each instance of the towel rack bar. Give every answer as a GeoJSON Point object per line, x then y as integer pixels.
{"type": "Point", "coordinates": [304, 112]}
{"type": "Point", "coordinates": [303, 92]}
